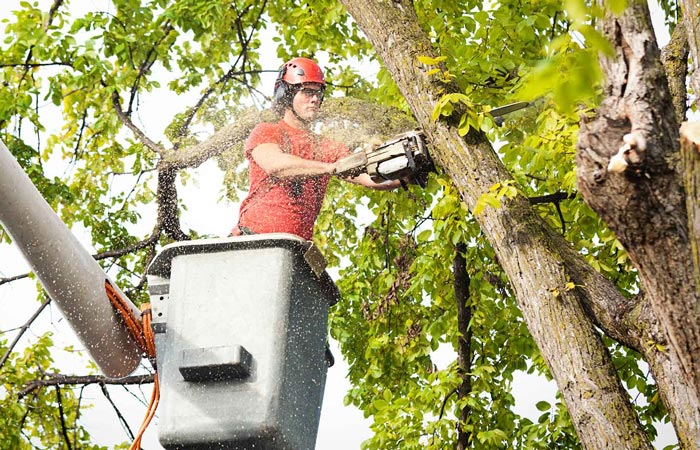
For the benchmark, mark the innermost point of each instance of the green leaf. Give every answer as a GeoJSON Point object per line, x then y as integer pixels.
{"type": "Point", "coordinates": [543, 406]}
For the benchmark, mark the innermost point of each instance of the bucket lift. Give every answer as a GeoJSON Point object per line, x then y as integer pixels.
{"type": "Point", "coordinates": [240, 327]}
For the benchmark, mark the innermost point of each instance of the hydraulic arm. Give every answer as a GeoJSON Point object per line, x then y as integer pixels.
{"type": "Point", "coordinates": [71, 277]}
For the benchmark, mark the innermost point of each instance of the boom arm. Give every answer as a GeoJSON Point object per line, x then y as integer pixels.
{"type": "Point", "coordinates": [70, 275]}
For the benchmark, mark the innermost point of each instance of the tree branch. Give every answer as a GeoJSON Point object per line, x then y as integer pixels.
{"type": "Point", "coordinates": [551, 198]}
{"type": "Point", "coordinates": [61, 379]}
{"type": "Point", "coordinates": [52, 12]}
{"type": "Point", "coordinates": [126, 120]}
{"type": "Point", "coordinates": [33, 65]}
{"type": "Point", "coordinates": [464, 345]}
{"type": "Point", "coordinates": [62, 417]}
{"type": "Point", "coordinates": [149, 241]}
{"type": "Point", "coordinates": [120, 416]}
{"type": "Point", "coordinates": [13, 278]}
{"type": "Point", "coordinates": [168, 217]}
{"type": "Point", "coordinates": [23, 329]}
{"type": "Point", "coordinates": [146, 65]}
{"type": "Point", "coordinates": [339, 120]}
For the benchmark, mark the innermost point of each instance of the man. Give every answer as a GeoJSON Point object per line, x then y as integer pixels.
{"type": "Point", "coordinates": [290, 165]}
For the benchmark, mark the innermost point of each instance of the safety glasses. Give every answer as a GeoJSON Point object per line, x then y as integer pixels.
{"type": "Point", "coordinates": [311, 92]}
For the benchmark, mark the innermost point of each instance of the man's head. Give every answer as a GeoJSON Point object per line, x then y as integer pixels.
{"type": "Point", "coordinates": [299, 87]}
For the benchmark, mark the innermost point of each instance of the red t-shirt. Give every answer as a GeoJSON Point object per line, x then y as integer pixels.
{"type": "Point", "coordinates": [291, 205]}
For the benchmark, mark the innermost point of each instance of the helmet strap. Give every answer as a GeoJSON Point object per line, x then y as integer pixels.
{"type": "Point", "coordinates": [306, 122]}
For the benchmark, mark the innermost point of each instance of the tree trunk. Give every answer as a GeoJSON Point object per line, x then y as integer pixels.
{"type": "Point", "coordinates": [530, 252]}
{"type": "Point", "coordinates": [644, 204]}
{"type": "Point", "coordinates": [690, 149]}
{"type": "Point", "coordinates": [675, 60]}
{"type": "Point", "coordinates": [691, 19]}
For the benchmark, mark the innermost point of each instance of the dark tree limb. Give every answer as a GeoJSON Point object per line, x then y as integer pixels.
{"type": "Point", "coordinates": [33, 65]}
{"type": "Point", "coordinates": [551, 198]}
{"type": "Point", "coordinates": [126, 120]}
{"type": "Point", "coordinates": [168, 215]}
{"type": "Point", "coordinates": [150, 240]}
{"type": "Point", "coordinates": [62, 418]}
{"type": "Point", "coordinates": [464, 348]}
{"type": "Point", "coordinates": [61, 379]}
{"type": "Point", "coordinates": [146, 64]}
{"type": "Point", "coordinates": [120, 416]}
{"type": "Point", "coordinates": [13, 278]}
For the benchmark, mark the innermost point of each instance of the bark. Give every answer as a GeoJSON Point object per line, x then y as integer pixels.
{"type": "Point", "coordinates": [675, 60]}
{"type": "Point", "coordinates": [690, 149]}
{"type": "Point", "coordinates": [168, 217]}
{"type": "Point", "coordinates": [691, 19]}
{"type": "Point", "coordinates": [644, 204]}
{"type": "Point", "coordinates": [531, 253]}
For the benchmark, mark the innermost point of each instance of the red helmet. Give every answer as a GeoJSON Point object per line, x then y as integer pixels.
{"type": "Point", "coordinates": [296, 71]}
{"type": "Point", "coordinates": [301, 70]}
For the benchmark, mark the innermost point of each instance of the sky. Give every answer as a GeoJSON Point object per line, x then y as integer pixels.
{"type": "Point", "coordinates": [341, 427]}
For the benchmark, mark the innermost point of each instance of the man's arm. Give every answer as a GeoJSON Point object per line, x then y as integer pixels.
{"type": "Point", "coordinates": [279, 164]}
{"type": "Point", "coordinates": [365, 180]}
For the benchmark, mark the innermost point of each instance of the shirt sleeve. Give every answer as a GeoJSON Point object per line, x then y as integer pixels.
{"type": "Point", "coordinates": [263, 133]}
{"type": "Point", "coordinates": [337, 151]}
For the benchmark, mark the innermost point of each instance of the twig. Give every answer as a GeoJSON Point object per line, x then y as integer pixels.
{"type": "Point", "coordinates": [126, 120]}
{"type": "Point", "coordinates": [120, 416]}
{"type": "Point", "coordinates": [23, 329]}
{"type": "Point", "coordinates": [14, 278]}
{"type": "Point", "coordinates": [150, 240]}
{"type": "Point", "coordinates": [61, 379]}
{"type": "Point", "coordinates": [146, 64]}
{"type": "Point", "coordinates": [64, 430]}
{"type": "Point", "coordinates": [551, 198]}
{"type": "Point", "coordinates": [77, 416]}
{"type": "Point", "coordinates": [32, 65]}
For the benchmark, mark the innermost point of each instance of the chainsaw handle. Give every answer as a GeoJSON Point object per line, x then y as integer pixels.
{"type": "Point", "coordinates": [351, 166]}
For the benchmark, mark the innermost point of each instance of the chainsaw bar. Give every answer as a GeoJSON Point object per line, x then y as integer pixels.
{"type": "Point", "coordinates": [507, 109]}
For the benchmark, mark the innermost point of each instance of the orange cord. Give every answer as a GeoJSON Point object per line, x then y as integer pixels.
{"type": "Point", "coordinates": [142, 333]}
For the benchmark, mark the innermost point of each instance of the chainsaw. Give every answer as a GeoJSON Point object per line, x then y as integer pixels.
{"type": "Point", "coordinates": [405, 157]}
